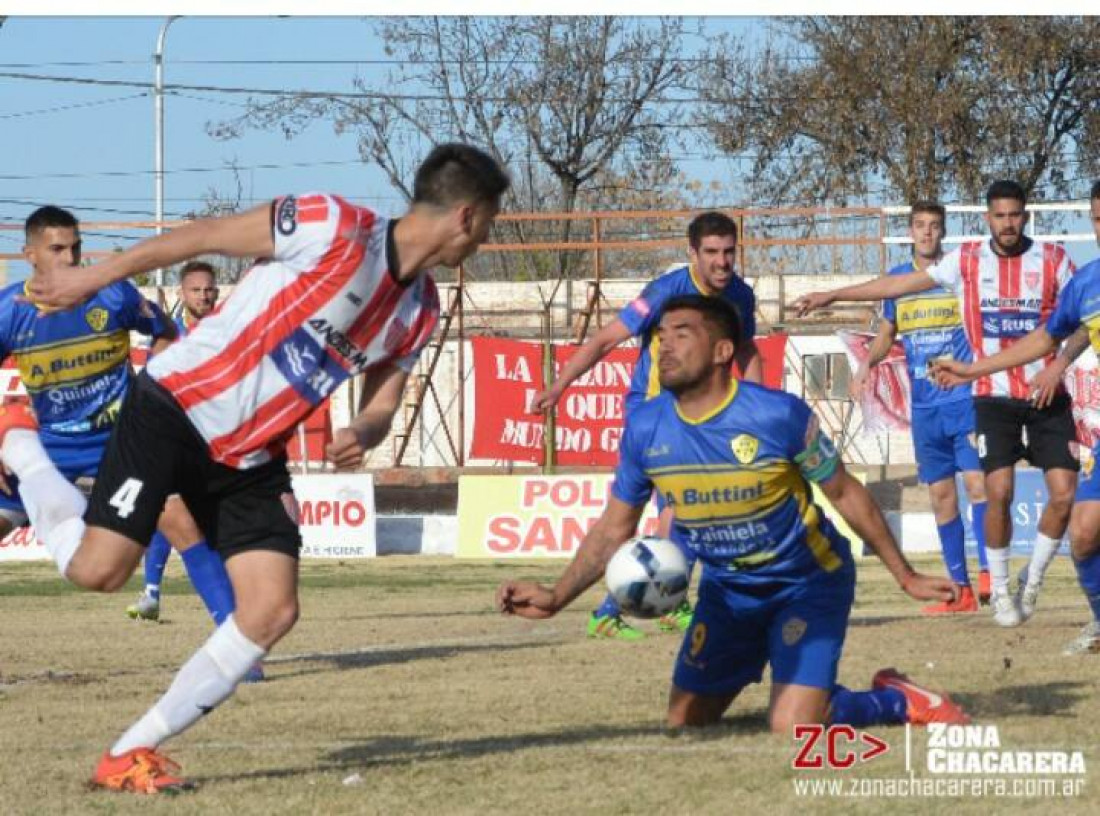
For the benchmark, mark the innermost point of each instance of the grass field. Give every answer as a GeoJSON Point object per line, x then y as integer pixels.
{"type": "Point", "coordinates": [401, 691]}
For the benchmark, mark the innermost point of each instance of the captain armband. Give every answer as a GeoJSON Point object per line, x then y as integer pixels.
{"type": "Point", "coordinates": [819, 461]}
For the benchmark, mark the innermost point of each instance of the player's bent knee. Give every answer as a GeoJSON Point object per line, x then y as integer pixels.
{"type": "Point", "coordinates": [267, 625]}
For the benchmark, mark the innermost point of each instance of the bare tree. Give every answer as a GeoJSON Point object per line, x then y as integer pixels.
{"type": "Point", "coordinates": [839, 108]}
{"type": "Point", "coordinates": [558, 100]}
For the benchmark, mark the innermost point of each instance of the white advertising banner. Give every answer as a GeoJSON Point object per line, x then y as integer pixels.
{"type": "Point", "coordinates": [336, 515]}
{"type": "Point", "coordinates": [335, 512]}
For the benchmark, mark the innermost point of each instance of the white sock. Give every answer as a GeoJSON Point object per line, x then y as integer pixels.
{"type": "Point", "coordinates": [998, 568]}
{"type": "Point", "coordinates": [205, 680]}
{"type": "Point", "coordinates": [1041, 557]}
{"type": "Point", "coordinates": [55, 508]}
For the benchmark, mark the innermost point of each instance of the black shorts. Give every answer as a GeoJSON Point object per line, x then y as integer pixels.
{"type": "Point", "coordinates": [155, 451]}
{"type": "Point", "coordinates": [1001, 423]}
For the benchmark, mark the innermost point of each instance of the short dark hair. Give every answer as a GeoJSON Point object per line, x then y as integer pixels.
{"type": "Point", "coordinates": [198, 266]}
{"type": "Point", "coordinates": [1095, 193]}
{"type": "Point", "coordinates": [718, 313]}
{"type": "Point", "coordinates": [46, 217]}
{"type": "Point", "coordinates": [710, 223]}
{"type": "Point", "coordinates": [928, 207]}
{"type": "Point", "coordinates": [454, 173]}
{"type": "Point", "coordinates": [1005, 188]}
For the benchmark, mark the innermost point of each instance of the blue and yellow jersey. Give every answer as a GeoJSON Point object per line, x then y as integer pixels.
{"type": "Point", "coordinates": [643, 314]}
{"type": "Point", "coordinates": [1079, 303]}
{"type": "Point", "coordinates": [737, 480]}
{"type": "Point", "coordinates": [929, 326]}
{"type": "Point", "coordinates": [75, 364]}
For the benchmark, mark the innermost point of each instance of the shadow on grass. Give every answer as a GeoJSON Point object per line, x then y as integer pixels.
{"type": "Point", "coordinates": [393, 655]}
{"type": "Point", "coordinates": [1057, 699]}
{"type": "Point", "coordinates": [389, 751]}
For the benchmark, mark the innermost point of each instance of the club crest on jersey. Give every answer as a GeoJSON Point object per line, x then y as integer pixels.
{"type": "Point", "coordinates": [1031, 278]}
{"type": "Point", "coordinates": [97, 318]}
{"type": "Point", "coordinates": [744, 448]}
{"type": "Point", "coordinates": [394, 336]}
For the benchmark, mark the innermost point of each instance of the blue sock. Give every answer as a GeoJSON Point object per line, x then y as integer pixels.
{"type": "Point", "coordinates": [1088, 575]}
{"type": "Point", "coordinates": [953, 540]}
{"type": "Point", "coordinates": [862, 708]}
{"type": "Point", "coordinates": [608, 607]}
{"type": "Point", "coordinates": [211, 581]}
{"type": "Point", "coordinates": [977, 516]}
{"type": "Point", "coordinates": [156, 559]}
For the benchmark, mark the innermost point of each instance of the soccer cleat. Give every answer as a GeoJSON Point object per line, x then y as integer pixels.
{"type": "Point", "coordinates": [1005, 610]}
{"type": "Point", "coordinates": [964, 603]}
{"type": "Point", "coordinates": [141, 770]}
{"type": "Point", "coordinates": [1087, 642]}
{"type": "Point", "coordinates": [612, 627]}
{"type": "Point", "coordinates": [678, 620]}
{"type": "Point", "coordinates": [922, 705]}
{"type": "Point", "coordinates": [985, 587]}
{"type": "Point", "coordinates": [255, 675]}
{"type": "Point", "coordinates": [1027, 595]}
{"type": "Point", "coordinates": [146, 608]}
{"type": "Point", "coordinates": [16, 415]}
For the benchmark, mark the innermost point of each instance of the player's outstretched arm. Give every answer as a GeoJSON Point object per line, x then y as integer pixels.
{"type": "Point", "coordinates": [856, 506]}
{"type": "Point", "coordinates": [245, 235]}
{"type": "Point", "coordinates": [1048, 382]}
{"type": "Point", "coordinates": [950, 373]}
{"type": "Point", "coordinates": [383, 388]}
{"type": "Point", "coordinates": [597, 347]}
{"type": "Point", "coordinates": [888, 286]}
{"type": "Point", "coordinates": [531, 600]}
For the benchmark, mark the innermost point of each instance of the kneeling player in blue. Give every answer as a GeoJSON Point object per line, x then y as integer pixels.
{"type": "Point", "coordinates": [75, 365]}
{"type": "Point", "coordinates": [1078, 305]}
{"type": "Point", "coordinates": [735, 460]}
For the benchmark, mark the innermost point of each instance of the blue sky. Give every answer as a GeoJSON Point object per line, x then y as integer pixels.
{"type": "Point", "coordinates": [101, 137]}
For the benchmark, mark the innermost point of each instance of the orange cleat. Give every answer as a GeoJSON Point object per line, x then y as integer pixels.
{"type": "Point", "coordinates": [141, 770]}
{"type": "Point", "coordinates": [964, 603]}
{"type": "Point", "coordinates": [16, 415]}
{"type": "Point", "coordinates": [985, 587]}
{"type": "Point", "coordinates": [923, 705]}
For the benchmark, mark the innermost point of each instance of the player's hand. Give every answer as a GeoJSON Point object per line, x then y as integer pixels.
{"type": "Point", "coordinates": [345, 450]}
{"type": "Point", "coordinates": [950, 373]}
{"type": "Point", "coordinates": [814, 300]}
{"type": "Point", "coordinates": [57, 290]}
{"type": "Point", "coordinates": [1046, 384]}
{"type": "Point", "coordinates": [929, 587]}
{"type": "Point", "coordinates": [526, 599]}
{"type": "Point", "coordinates": [544, 401]}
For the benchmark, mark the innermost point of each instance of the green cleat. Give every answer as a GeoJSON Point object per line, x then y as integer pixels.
{"type": "Point", "coordinates": [612, 627]}
{"type": "Point", "coordinates": [678, 620]}
{"type": "Point", "coordinates": [146, 608]}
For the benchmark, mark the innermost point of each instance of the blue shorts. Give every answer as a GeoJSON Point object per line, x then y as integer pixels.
{"type": "Point", "coordinates": [74, 456]}
{"type": "Point", "coordinates": [798, 629]}
{"type": "Point", "coordinates": [1088, 484]}
{"type": "Point", "coordinates": [943, 440]}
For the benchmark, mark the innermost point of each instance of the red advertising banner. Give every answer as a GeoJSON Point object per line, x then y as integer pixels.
{"type": "Point", "coordinates": [507, 375]}
{"type": "Point", "coordinates": [885, 399]}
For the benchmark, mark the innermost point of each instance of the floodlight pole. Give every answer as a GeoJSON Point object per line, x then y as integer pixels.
{"type": "Point", "coordinates": [158, 129]}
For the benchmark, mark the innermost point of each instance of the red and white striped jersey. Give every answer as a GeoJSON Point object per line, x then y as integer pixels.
{"type": "Point", "coordinates": [324, 307]}
{"type": "Point", "coordinates": [1002, 299]}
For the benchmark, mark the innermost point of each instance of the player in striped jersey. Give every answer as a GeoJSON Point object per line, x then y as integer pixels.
{"type": "Point", "coordinates": [1006, 287]}
{"type": "Point", "coordinates": [712, 247]}
{"type": "Point", "coordinates": [339, 291]}
{"type": "Point", "coordinates": [942, 421]}
{"type": "Point", "coordinates": [736, 460]}
{"type": "Point", "coordinates": [1078, 308]}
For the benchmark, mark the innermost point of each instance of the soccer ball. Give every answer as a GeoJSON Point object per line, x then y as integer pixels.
{"type": "Point", "coordinates": [648, 577]}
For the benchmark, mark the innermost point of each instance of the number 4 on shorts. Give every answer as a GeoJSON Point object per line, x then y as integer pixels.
{"type": "Point", "coordinates": [126, 497]}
